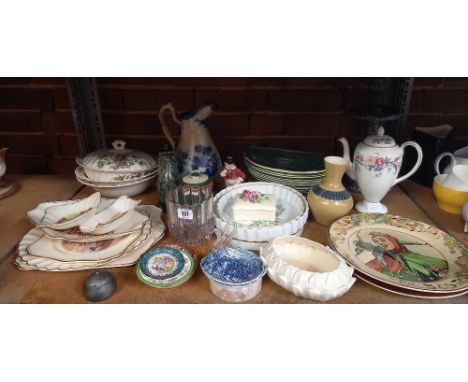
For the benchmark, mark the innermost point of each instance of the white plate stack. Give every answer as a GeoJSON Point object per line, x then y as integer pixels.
{"type": "Point", "coordinates": [89, 233]}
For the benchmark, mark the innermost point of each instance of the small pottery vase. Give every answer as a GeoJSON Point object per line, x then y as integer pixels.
{"type": "Point", "coordinates": [330, 200]}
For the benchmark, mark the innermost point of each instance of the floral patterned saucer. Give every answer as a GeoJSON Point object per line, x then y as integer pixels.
{"type": "Point", "coordinates": [402, 252]}
{"type": "Point", "coordinates": [165, 266]}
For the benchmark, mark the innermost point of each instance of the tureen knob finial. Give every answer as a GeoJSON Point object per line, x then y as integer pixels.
{"type": "Point", "coordinates": [380, 131]}
{"type": "Point", "coordinates": [119, 144]}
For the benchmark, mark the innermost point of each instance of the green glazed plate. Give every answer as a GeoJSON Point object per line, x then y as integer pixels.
{"type": "Point", "coordinates": [286, 160]}
{"type": "Point", "coordinates": [283, 175]}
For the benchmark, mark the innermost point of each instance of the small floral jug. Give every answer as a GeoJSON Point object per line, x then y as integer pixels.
{"type": "Point", "coordinates": [196, 151]}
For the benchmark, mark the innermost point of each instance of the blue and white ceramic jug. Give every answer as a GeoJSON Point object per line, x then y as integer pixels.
{"type": "Point", "coordinates": [196, 150]}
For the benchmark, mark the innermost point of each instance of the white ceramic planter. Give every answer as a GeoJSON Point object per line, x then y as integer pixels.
{"type": "Point", "coordinates": [306, 268]}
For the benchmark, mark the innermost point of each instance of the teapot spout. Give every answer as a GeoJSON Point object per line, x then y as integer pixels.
{"type": "Point", "coordinates": [346, 155]}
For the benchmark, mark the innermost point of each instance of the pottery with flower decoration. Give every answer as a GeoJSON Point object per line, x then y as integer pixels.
{"type": "Point", "coordinates": [377, 162]}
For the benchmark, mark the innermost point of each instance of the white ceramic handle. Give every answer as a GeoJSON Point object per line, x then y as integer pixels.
{"type": "Point", "coordinates": [418, 162]}
{"type": "Point", "coordinates": [165, 129]}
{"type": "Point", "coordinates": [439, 158]}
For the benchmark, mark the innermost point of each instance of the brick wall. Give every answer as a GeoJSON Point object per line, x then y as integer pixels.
{"type": "Point", "coordinates": [437, 101]}
{"type": "Point", "coordinates": [301, 113]}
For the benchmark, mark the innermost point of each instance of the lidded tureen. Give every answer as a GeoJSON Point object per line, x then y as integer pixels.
{"type": "Point", "coordinates": [377, 162]}
{"type": "Point", "coordinates": [117, 164]}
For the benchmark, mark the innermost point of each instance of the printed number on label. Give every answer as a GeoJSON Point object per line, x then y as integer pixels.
{"type": "Point", "coordinates": [183, 213]}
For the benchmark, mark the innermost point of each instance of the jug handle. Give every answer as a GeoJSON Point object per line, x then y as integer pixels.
{"type": "Point", "coordinates": [439, 158]}
{"type": "Point", "coordinates": [165, 129]}
{"type": "Point", "coordinates": [418, 161]}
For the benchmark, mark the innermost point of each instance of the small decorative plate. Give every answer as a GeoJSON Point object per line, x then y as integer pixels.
{"type": "Point", "coordinates": [402, 252]}
{"type": "Point", "coordinates": [165, 266]}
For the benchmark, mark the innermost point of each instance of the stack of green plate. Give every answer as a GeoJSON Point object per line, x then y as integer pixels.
{"type": "Point", "coordinates": [297, 169]}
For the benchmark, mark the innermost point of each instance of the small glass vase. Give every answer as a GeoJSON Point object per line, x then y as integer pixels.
{"type": "Point", "coordinates": [168, 176]}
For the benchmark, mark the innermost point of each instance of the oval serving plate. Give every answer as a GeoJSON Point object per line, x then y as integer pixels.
{"type": "Point", "coordinates": [134, 224]}
{"type": "Point", "coordinates": [111, 217]}
{"type": "Point", "coordinates": [68, 215]}
{"type": "Point", "coordinates": [402, 252]}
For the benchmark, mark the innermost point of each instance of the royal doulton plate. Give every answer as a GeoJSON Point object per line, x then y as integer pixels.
{"type": "Point", "coordinates": [166, 266]}
{"type": "Point", "coordinates": [408, 292]}
{"type": "Point", "coordinates": [402, 252]}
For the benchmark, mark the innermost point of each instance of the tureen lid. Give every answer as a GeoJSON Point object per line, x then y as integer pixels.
{"type": "Point", "coordinates": [380, 140]}
{"type": "Point", "coordinates": [118, 159]}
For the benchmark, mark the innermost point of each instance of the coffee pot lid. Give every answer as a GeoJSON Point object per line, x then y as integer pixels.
{"type": "Point", "coordinates": [380, 140]}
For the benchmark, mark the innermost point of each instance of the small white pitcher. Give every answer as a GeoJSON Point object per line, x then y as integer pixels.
{"type": "Point", "coordinates": [458, 157]}
{"type": "Point", "coordinates": [457, 178]}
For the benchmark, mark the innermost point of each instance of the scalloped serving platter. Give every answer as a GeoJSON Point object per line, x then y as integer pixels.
{"type": "Point", "coordinates": [153, 232]}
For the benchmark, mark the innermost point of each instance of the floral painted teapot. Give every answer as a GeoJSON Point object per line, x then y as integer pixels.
{"type": "Point", "coordinates": [377, 162]}
{"type": "Point", "coordinates": [196, 151]}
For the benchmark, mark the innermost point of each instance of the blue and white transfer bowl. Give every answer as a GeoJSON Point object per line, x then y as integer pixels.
{"type": "Point", "coordinates": [235, 274]}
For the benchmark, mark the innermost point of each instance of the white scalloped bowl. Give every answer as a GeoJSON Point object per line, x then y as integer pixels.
{"type": "Point", "coordinates": [115, 190]}
{"type": "Point", "coordinates": [111, 217]}
{"type": "Point", "coordinates": [294, 212]}
{"type": "Point", "coordinates": [70, 214]}
{"type": "Point", "coordinates": [306, 268]}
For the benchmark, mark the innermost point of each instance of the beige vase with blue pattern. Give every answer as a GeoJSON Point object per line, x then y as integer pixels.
{"type": "Point", "coordinates": [329, 200]}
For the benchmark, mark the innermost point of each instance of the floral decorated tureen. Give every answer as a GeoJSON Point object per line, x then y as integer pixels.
{"type": "Point", "coordinates": [117, 164]}
{"type": "Point", "coordinates": [377, 162]}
